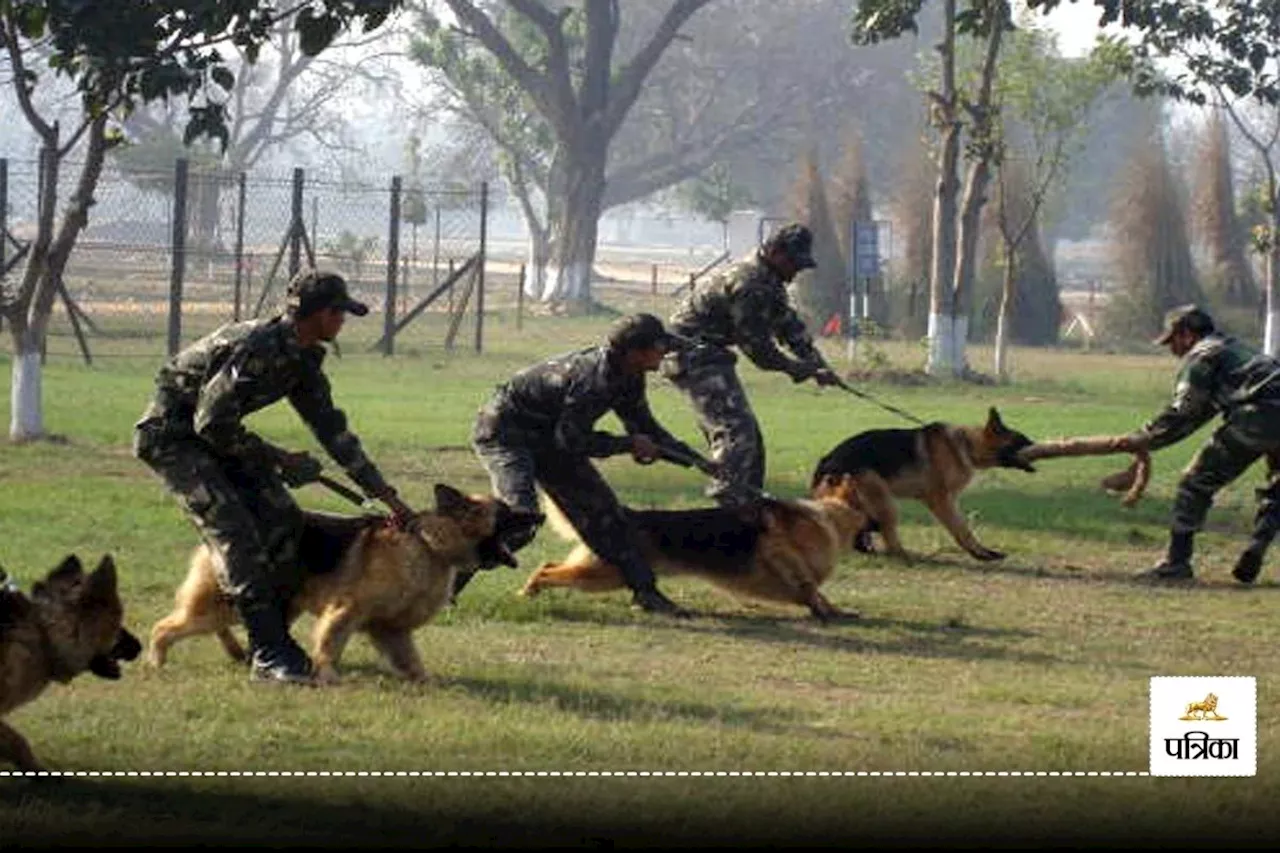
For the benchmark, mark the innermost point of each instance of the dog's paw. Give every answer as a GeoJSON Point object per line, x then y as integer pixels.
{"type": "Point", "coordinates": [987, 555]}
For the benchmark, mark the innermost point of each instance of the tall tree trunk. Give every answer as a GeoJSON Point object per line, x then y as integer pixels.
{"type": "Point", "coordinates": [1004, 325]}
{"type": "Point", "coordinates": [1271, 340]}
{"type": "Point", "coordinates": [576, 227]}
{"type": "Point", "coordinates": [941, 326]}
{"type": "Point", "coordinates": [44, 270]}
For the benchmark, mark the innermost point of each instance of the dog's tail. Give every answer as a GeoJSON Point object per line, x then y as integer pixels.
{"type": "Point", "coordinates": [557, 520]}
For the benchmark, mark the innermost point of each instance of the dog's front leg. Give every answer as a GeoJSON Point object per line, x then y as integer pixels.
{"type": "Point", "coordinates": [398, 648]}
{"type": "Point", "coordinates": [14, 748]}
{"type": "Point", "coordinates": [333, 629]}
{"type": "Point", "coordinates": [946, 511]}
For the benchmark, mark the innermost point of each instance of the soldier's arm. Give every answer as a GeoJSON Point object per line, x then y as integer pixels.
{"type": "Point", "coordinates": [312, 398]}
{"type": "Point", "coordinates": [793, 332]}
{"type": "Point", "coordinates": [220, 409]}
{"type": "Point", "coordinates": [637, 418]}
{"type": "Point", "coordinates": [751, 309]}
{"type": "Point", "coordinates": [1191, 407]}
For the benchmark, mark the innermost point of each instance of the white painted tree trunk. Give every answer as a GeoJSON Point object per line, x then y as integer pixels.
{"type": "Point", "coordinates": [1271, 334]}
{"type": "Point", "coordinates": [959, 340]}
{"type": "Point", "coordinates": [26, 420]}
{"type": "Point", "coordinates": [941, 344]}
{"type": "Point", "coordinates": [1002, 347]}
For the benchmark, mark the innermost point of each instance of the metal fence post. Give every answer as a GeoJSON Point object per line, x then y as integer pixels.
{"type": "Point", "coordinates": [239, 245]}
{"type": "Point", "coordinates": [484, 222]}
{"type": "Point", "coordinates": [179, 254]}
{"type": "Point", "coordinates": [393, 263]}
{"type": "Point", "coordinates": [296, 226]}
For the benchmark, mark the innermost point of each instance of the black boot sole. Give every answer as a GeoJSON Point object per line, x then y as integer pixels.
{"type": "Point", "coordinates": [1248, 567]}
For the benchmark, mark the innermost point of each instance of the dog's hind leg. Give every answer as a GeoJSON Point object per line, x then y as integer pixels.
{"type": "Point", "coordinates": [587, 573]}
{"type": "Point", "coordinates": [944, 508]}
{"type": "Point", "coordinates": [14, 748]}
{"type": "Point", "coordinates": [396, 645]}
{"type": "Point", "coordinates": [232, 646]}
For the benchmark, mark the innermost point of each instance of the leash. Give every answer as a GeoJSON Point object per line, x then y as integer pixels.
{"type": "Point", "coordinates": [346, 492]}
{"type": "Point", "coordinates": [705, 465]}
{"type": "Point", "coordinates": [840, 383]}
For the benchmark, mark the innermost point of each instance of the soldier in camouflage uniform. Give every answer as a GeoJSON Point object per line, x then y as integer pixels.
{"type": "Point", "coordinates": [745, 306]}
{"type": "Point", "coordinates": [539, 428]}
{"type": "Point", "coordinates": [1218, 374]}
{"type": "Point", "coordinates": [230, 481]}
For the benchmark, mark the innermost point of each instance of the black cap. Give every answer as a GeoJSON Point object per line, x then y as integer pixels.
{"type": "Point", "coordinates": [797, 241]}
{"type": "Point", "coordinates": [311, 291]}
{"type": "Point", "coordinates": [1192, 318]}
{"type": "Point", "coordinates": [643, 331]}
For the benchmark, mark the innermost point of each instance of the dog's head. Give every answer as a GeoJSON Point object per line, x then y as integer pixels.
{"type": "Point", "coordinates": [842, 490]}
{"type": "Point", "coordinates": [488, 521]}
{"type": "Point", "coordinates": [84, 619]}
{"type": "Point", "coordinates": [998, 445]}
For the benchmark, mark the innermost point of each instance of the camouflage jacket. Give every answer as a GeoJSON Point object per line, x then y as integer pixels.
{"type": "Point", "coordinates": [1221, 374]}
{"type": "Point", "coordinates": [747, 306]}
{"type": "Point", "coordinates": [206, 390]}
{"type": "Point", "coordinates": [556, 404]}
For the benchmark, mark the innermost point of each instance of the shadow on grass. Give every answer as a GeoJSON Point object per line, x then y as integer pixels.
{"type": "Point", "coordinates": [945, 639]}
{"type": "Point", "coordinates": [606, 813]}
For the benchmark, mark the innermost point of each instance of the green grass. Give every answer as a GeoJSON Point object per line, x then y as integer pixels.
{"type": "Point", "coordinates": [1037, 663]}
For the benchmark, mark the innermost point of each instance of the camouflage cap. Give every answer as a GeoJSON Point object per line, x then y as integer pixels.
{"type": "Point", "coordinates": [1192, 318]}
{"type": "Point", "coordinates": [797, 241]}
{"type": "Point", "coordinates": [643, 331]}
{"type": "Point", "coordinates": [312, 290]}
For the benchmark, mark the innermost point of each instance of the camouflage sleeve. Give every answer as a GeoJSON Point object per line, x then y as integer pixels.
{"type": "Point", "coordinates": [751, 311]}
{"type": "Point", "coordinates": [313, 401]}
{"type": "Point", "coordinates": [793, 333]}
{"type": "Point", "coordinates": [220, 409]}
{"type": "Point", "coordinates": [575, 433]}
{"type": "Point", "coordinates": [637, 418]}
{"type": "Point", "coordinates": [1191, 407]}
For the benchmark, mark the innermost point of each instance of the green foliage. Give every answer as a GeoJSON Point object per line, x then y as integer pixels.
{"type": "Point", "coordinates": [713, 194]}
{"type": "Point", "coordinates": [127, 52]}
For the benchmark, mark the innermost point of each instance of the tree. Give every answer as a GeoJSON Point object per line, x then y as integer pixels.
{"type": "Point", "coordinates": [1046, 102]}
{"type": "Point", "coordinates": [120, 55]}
{"type": "Point", "coordinates": [714, 195]}
{"type": "Point", "coordinates": [820, 292]}
{"type": "Point", "coordinates": [1215, 221]}
{"type": "Point", "coordinates": [1228, 53]}
{"type": "Point", "coordinates": [956, 220]}
{"type": "Point", "coordinates": [568, 74]}
{"type": "Point", "coordinates": [284, 96]}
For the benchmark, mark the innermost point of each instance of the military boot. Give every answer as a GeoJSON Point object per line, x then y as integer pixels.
{"type": "Point", "coordinates": [274, 654]}
{"type": "Point", "coordinates": [1176, 566]}
{"type": "Point", "coordinates": [1266, 523]}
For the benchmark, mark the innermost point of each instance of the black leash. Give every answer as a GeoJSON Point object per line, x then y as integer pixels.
{"type": "Point", "coordinates": [840, 383]}
{"type": "Point", "coordinates": [348, 493]}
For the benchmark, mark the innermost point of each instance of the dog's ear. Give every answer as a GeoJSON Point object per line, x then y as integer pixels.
{"type": "Point", "coordinates": [67, 573]}
{"type": "Point", "coordinates": [995, 426]}
{"type": "Point", "coordinates": [102, 583]}
{"type": "Point", "coordinates": [450, 501]}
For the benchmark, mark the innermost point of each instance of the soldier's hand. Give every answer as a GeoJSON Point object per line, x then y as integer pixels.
{"type": "Point", "coordinates": [298, 469]}
{"type": "Point", "coordinates": [826, 377]}
{"type": "Point", "coordinates": [402, 516]}
{"type": "Point", "coordinates": [644, 450]}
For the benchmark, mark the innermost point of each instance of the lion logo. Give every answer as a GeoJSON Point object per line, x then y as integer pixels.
{"type": "Point", "coordinates": [1206, 710]}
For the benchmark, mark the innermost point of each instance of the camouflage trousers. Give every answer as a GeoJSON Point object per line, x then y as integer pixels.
{"type": "Point", "coordinates": [709, 379]}
{"type": "Point", "coordinates": [516, 468]}
{"type": "Point", "coordinates": [1224, 457]}
{"type": "Point", "coordinates": [243, 512]}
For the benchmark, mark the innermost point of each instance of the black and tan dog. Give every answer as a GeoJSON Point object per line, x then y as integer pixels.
{"type": "Point", "coordinates": [932, 464]}
{"type": "Point", "coordinates": [362, 575]}
{"type": "Point", "coordinates": [72, 623]}
{"type": "Point", "coordinates": [775, 550]}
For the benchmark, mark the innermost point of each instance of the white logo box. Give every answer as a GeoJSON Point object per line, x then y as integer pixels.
{"type": "Point", "coordinates": [1191, 735]}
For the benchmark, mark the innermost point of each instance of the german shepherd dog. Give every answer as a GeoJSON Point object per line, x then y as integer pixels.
{"type": "Point", "coordinates": [932, 464]}
{"type": "Point", "coordinates": [776, 550]}
{"type": "Point", "coordinates": [362, 575]}
{"type": "Point", "coordinates": [72, 623]}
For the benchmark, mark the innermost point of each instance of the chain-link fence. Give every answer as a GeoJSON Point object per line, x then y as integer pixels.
{"type": "Point", "coordinates": [135, 281]}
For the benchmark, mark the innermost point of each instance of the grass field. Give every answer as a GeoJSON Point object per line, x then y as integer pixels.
{"type": "Point", "coordinates": [1039, 663]}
